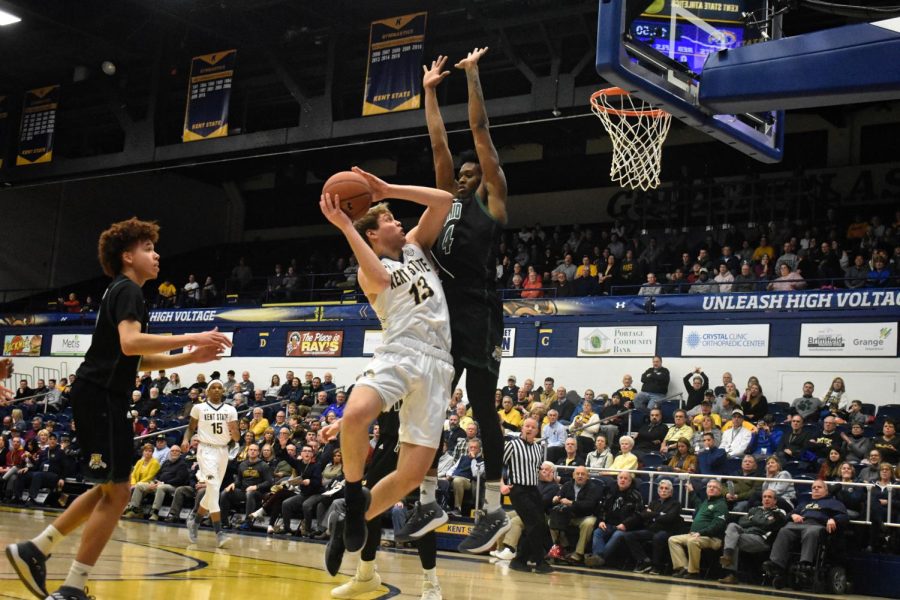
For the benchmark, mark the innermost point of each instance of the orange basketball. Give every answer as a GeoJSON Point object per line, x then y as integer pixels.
{"type": "Point", "coordinates": [353, 191]}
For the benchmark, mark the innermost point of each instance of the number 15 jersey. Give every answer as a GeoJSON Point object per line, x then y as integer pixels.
{"type": "Point", "coordinates": [212, 422]}
{"type": "Point", "coordinates": [413, 305]}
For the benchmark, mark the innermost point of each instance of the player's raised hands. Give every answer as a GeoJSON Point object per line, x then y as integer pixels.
{"type": "Point", "coordinates": [331, 208]}
{"type": "Point", "coordinates": [207, 353]}
{"type": "Point", "coordinates": [435, 75]}
{"type": "Point", "coordinates": [471, 61]}
{"type": "Point", "coordinates": [378, 187]}
{"type": "Point", "coordinates": [329, 432]}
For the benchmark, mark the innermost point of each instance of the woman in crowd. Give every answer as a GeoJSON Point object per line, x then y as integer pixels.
{"type": "Point", "coordinates": [274, 387]}
{"type": "Point", "coordinates": [608, 275]}
{"type": "Point", "coordinates": [853, 496]}
{"type": "Point", "coordinates": [684, 460]}
{"type": "Point", "coordinates": [173, 385]}
{"type": "Point", "coordinates": [248, 439]}
{"type": "Point", "coordinates": [763, 269]}
{"type": "Point", "coordinates": [831, 466]}
{"type": "Point", "coordinates": [870, 472]}
{"type": "Point", "coordinates": [856, 445]}
{"type": "Point", "coordinates": [778, 480]}
{"type": "Point", "coordinates": [609, 424]}
{"type": "Point", "coordinates": [625, 460]}
{"type": "Point", "coordinates": [295, 394]}
{"type": "Point", "coordinates": [585, 427]}
{"type": "Point", "coordinates": [836, 395]}
{"type": "Point", "coordinates": [601, 457]}
{"type": "Point", "coordinates": [754, 403]}
{"type": "Point", "coordinates": [707, 425]}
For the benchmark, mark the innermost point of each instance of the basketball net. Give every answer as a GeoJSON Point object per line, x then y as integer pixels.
{"type": "Point", "coordinates": [637, 131]}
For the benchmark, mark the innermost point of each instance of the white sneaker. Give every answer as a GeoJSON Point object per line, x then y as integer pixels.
{"type": "Point", "coordinates": [222, 539]}
{"type": "Point", "coordinates": [270, 530]}
{"type": "Point", "coordinates": [505, 554]}
{"type": "Point", "coordinates": [431, 590]}
{"type": "Point", "coordinates": [259, 513]}
{"type": "Point", "coordinates": [495, 553]}
{"type": "Point", "coordinates": [357, 586]}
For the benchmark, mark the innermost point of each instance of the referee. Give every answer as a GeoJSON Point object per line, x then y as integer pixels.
{"type": "Point", "coordinates": [522, 459]}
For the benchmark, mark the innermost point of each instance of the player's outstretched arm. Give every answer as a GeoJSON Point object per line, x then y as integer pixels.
{"type": "Point", "coordinates": [492, 176]}
{"type": "Point", "coordinates": [135, 343]}
{"type": "Point", "coordinates": [437, 133]}
{"type": "Point", "coordinates": [373, 277]}
{"type": "Point", "coordinates": [436, 203]}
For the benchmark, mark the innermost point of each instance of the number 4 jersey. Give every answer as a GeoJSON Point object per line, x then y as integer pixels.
{"type": "Point", "coordinates": [413, 305]}
{"type": "Point", "coordinates": [212, 422]}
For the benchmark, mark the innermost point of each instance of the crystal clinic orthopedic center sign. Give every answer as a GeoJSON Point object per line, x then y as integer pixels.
{"type": "Point", "coordinates": [725, 340]}
{"type": "Point", "coordinates": [617, 341]}
{"type": "Point", "coordinates": [848, 339]}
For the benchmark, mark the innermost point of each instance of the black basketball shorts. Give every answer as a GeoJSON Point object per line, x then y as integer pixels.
{"type": "Point", "coordinates": [104, 432]}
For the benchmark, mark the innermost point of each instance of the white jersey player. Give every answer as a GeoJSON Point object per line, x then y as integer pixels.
{"type": "Point", "coordinates": [413, 364]}
{"type": "Point", "coordinates": [216, 425]}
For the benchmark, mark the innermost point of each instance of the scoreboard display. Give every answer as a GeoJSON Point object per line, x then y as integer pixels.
{"type": "Point", "coordinates": [692, 43]}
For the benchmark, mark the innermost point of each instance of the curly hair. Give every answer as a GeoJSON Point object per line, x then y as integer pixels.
{"type": "Point", "coordinates": [121, 237]}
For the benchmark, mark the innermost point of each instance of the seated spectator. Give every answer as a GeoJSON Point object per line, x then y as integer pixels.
{"type": "Point", "coordinates": [711, 460]}
{"type": "Point", "coordinates": [807, 405]}
{"type": "Point", "coordinates": [754, 403]}
{"type": "Point", "coordinates": [830, 469]}
{"type": "Point", "coordinates": [821, 515]}
{"type": "Point", "coordinates": [625, 460]}
{"type": "Point", "coordinates": [880, 275]}
{"type": "Point", "coordinates": [856, 445]}
{"type": "Point", "coordinates": [707, 530]}
{"type": "Point", "coordinates": [764, 270]}
{"type": "Point", "coordinates": [727, 404]}
{"type": "Point", "coordinates": [554, 434]}
{"type": "Point", "coordinates": [736, 440]}
{"type": "Point", "coordinates": [857, 273]}
{"type": "Point", "coordinates": [777, 481]}
{"type": "Point", "coordinates": [702, 410]}
{"type": "Point", "coordinates": [659, 520]}
{"type": "Point", "coordinates": [47, 469]}
{"type": "Point", "coordinates": [72, 305]}
{"type": "Point", "coordinates": [562, 288]}
{"type": "Point", "coordinates": [258, 424]}
{"type": "Point", "coordinates": [571, 458]}
{"type": "Point", "coordinates": [651, 435]}
{"type": "Point", "coordinates": [465, 472]}
{"type": "Point", "coordinates": [793, 443]}
{"type": "Point", "coordinates": [683, 459]}
{"type": "Point", "coordinates": [146, 467]}
{"type": "Point", "coordinates": [702, 285]}
{"type": "Point", "coordinates": [679, 431]}
{"type": "Point", "coordinates": [787, 281]}
{"type": "Point", "coordinates": [609, 423]}
{"type": "Point", "coordinates": [888, 443]}
{"type": "Point", "coordinates": [510, 416]}
{"type": "Point", "coordinates": [882, 500]}
{"type": "Point", "coordinates": [617, 513]}
{"type": "Point", "coordinates": [209, 293]}
{"type": "Point", "coordinates": [575, 506]}
{"type": "Point", "coordinates": [563, 406]}
{"type": "Point", "coordinates": [745, 281]}
{"type": "Point", "coordinates": [532, 287]}
{"type": "Point", "coordinates": [191, 291]}
{"type": "Point", "coordinates": [827, 438]}
{"type": "Point", "coordinates": [585, 426]}
{"type": "Point", "coordinates": [651, 287]}
{"type": "Point", "coordinates": [173, 473]}
{"type": "Point", "coordinates": [695, 384]}
{"type": "Point", "coordinates": [741, 492]}
{"type": "Point", "coordinates": [723, 279]}
{"type": "Point", "coordinates": [753, 533]}
{"type": "Point", "coordinates": [166, 295]}
{"type": "Point", "coordinates": [161, 450]}
{"type": "Point", "coordinates": [252, 481]}
{"type": "Point", "coordinates": [173, 385]}
{"type": "Point", "coordinates": [601, 457]}
{"type": "Point", "coordinates": [271, 393]}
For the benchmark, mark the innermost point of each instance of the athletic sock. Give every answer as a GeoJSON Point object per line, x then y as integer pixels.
{"type": "Point", "coordinates": [430, 575]}
{"type": "Point", "coordinates": [427, 489]}
{"type": "Point", "coordinates": [47, 540]}
{"type": "Point", "coordinates": [217, 526]}
{"type": "Point", "coordinates": [353, 495]}
{"type": "Point", "coordinates": [491, 496]}
{"type": "Point", "coordinates": [78, 575]}
{"type": "Point", "coordinates": [365, 570]}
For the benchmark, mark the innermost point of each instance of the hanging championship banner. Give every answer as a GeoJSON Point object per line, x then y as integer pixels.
{"type": "Point", "coordinates": [209, 93]}
{"type": "Point", "coordinates": [393, 74]}
{"type": "Point", "coordinates": [38, 123]}
{"type": "Point", "coordinates": [4, 128]}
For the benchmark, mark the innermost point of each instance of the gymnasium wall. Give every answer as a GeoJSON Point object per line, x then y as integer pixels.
{"type": "Point", "coordinates": [50, 232]}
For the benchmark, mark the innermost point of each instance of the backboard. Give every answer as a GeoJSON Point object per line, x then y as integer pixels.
{"type": "Point", "coordinates": [656, 50]}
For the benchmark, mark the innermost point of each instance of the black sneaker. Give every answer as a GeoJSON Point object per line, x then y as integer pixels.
{"type": "Point", "coordinates": [422, 519]}
{"type": "Point", "coordinates": [644, 567]}
{"type": "Point", "coordinates": [519, 565]}
{"type": "Point", "coordinates": [69, 593]}
{"type": "Point", "coordinates": [543, 567]}
{"type": "Point", "coordinates": [334, 549]}
{"type": "Point", "coordinates": [355, 530]}
{"type": "Point", "coordinates": [486, 532]}
{"type": "Point", "coordinates": [31, 566]}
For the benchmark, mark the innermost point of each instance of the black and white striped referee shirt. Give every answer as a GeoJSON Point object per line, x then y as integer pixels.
{"type": "Point", "coordinates": [523, 461]}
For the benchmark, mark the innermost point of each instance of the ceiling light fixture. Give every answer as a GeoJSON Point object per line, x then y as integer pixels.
{"type": "Point", "coordinates": [7, 18]}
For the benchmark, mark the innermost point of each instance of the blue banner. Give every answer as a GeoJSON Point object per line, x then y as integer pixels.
{"type": "Point", "coordinates": [394, 72]}
{"type": "Point", "coordinates": [38, 125]}
{"type": "Point", "coordinates": [209, 94]}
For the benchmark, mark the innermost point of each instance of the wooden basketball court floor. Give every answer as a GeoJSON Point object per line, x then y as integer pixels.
{"type": "Point", "coordinates": [150, 561]}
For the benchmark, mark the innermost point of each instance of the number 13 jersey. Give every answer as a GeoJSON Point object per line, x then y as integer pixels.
{"type": "Point", "coordinates": [212, 422]}
{"type": "Point", "coordinates": [413, 305]}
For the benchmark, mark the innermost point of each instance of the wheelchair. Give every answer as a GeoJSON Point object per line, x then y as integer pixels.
{"type": "Point", "coordinates": [827, 575]}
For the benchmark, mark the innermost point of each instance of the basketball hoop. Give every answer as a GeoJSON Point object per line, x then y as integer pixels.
{"type": "Point", "coordinates": [637, 131]}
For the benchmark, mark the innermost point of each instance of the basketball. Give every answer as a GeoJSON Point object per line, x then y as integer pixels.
{"type": "Point", "coordinates": [353, 190]}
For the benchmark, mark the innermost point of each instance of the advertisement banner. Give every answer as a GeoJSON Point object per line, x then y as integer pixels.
{"type": "Point", "coordinates": [209, 94]}
{"type": "Point", "coordinates": [617, 341]}
{"type": "Point", "coordinates": [70, 344]}
{"type": "Point", "coordinates": [38, 125]}
{"type": "Point", "coordinates": [725, 340]}
{"type": "Point", "coordinates": [314, 343]}
{"type": "Point", "coordinates": [371, 340]}
{"type": "Point", "coordinates": [848, 339]}
{"type": "Point", "coordinates": [508, 345]}
{"type": "Point", "coordinates": [22, 345]}
{"type": "Point", "coordinates": [394, 72]}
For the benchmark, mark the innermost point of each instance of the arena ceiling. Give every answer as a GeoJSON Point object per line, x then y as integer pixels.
{"type": "Point", "coordinates": [299, 84]}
